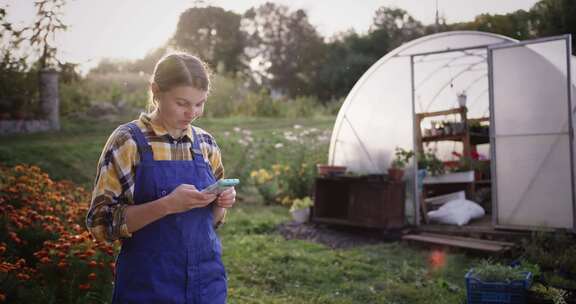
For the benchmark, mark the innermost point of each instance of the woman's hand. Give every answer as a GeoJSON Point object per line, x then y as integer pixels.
{"type": "Point", "coordinates": [227, 198]}
{"type": "Point", "coordinates": [186, 197]}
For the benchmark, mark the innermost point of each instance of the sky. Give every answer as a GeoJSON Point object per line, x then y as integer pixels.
{"type": "Point", "coordinates": [128, 29]}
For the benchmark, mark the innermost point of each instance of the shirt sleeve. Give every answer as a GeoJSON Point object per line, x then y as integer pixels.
{"type": "Point", "coordinates": [113, 188]}
{"type": "Point", "coordinates": [211, 152]}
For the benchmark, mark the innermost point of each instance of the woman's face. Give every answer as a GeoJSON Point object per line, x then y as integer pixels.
{"type": "Point", "coordinates": [179, 106]}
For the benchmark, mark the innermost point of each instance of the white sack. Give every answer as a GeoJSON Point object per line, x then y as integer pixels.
{"type": "Point", "coordinates": [457, 212]}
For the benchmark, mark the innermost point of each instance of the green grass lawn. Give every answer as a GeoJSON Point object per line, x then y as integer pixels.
{"type": "Point", "coordinates": [73, 153]}
{"type": "Point", "coordinates": [262, 266]}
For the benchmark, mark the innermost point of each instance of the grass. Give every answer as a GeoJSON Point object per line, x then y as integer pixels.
{"type": "Point", "coordinates": [262, 266]}
{"type": "Point", "coordinates": [73, 153]}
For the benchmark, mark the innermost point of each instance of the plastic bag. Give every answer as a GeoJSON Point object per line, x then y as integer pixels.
{"type": "Point", "coordinates": [457, 212]}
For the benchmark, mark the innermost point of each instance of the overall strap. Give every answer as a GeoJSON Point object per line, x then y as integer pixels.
{"type": "Point", "coordinates": [198, 157]}
{"type": "Point", "coordinates": [144, 148]}
{"type": "Point", "coordinates": [195, 147]}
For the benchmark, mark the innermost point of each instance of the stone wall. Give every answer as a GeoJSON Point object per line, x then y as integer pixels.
{"type": "Point", "coordinates": [24, 126]}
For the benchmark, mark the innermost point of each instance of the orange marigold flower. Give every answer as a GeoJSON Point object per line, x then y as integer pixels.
{"type": "Point", "coordinates": [2, 248]}
{"type": "Point", "coordinates": [23, 277]}
{"type": "Point", "coordinates": [14, 237]}
{"type": "Point", "coordinates": [92, 276]}
{"type": "Point", "coordinates": [62, 265]}
{"type": "Point", "coordinates": [92, 264]}
{"type": "Point", "coordinates": [45, 260]}
{"type": "Point", "coordinates": [84, 286]}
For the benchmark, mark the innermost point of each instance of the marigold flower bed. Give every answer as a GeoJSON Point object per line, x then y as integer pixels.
{"type": "Point", "coordinates": [45, 250]}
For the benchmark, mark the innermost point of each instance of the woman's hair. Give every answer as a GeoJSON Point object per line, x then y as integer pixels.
{"type": "Point", "coordinates": [179, 69]}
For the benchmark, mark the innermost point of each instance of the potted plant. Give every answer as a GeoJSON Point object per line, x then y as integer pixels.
{"type": "Point", "coordinates": [401, 159]}
{"type": "Point", "coordinates": [429, 162]}
{"type": "Point", "coordinates": [300, 209]}
{"type": "Point", "coordinates": [491, 282]}
{"type": "Point", "coordinates": [478, 129]}
{"type": "Point", "coordinates": [541, 294]}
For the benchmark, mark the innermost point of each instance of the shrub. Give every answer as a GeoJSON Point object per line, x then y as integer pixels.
{"type": "Point", "coordinates": [284, 164]}
{"type": "Point", "coordinates": [225, 96]}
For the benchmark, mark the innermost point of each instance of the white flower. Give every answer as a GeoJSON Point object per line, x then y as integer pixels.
{"type": "Point", "coordinates": [237, 129]}
{"type": "Point", "coordinates": [246, 132]}
{"type": "Point", "coordinates": [278, 145]}
{"type": "Point", "coordinates": [297, 126]}
{"type": "Point", "coordinates": [226, 133]}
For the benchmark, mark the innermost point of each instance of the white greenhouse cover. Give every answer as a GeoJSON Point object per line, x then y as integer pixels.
{"type": "Point", "coordinates": [377, 115]}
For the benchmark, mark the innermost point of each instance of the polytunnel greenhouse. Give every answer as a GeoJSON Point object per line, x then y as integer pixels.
{"type": "Point", "coordinates": [521, 92]}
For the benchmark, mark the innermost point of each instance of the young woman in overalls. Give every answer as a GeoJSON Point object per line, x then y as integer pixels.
{"type": "Point", "coordinates": [147, 194]}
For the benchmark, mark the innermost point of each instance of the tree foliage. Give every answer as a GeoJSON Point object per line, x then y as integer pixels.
{"type": "Point", "coordinates": [283, 48]}
{"type": "Point", "coordinates": [48, 23]}
{"type": "Point", "coordinates": [213, 34]}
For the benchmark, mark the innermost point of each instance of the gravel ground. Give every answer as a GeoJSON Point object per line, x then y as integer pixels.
{"type": "Point", "coordinates": [334, 236]}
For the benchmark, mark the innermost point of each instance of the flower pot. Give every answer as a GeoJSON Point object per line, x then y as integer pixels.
{"type": "Point", "coordinates": [395, 174]}
{"type": "Point", "coordinates": [329, 170]}
{"type": "Point", "coordinates": [301, 215]}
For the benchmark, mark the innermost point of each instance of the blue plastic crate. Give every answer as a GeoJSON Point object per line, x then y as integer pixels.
{"type": "Point", "coordinates": [513, 292]}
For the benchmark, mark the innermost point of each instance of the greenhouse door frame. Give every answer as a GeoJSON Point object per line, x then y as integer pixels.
{"type": "Point", "coordinates": [489, 49]}
{"type": "Point", "coordinates": [493, 136]}
{"type": "Point", "coordinates": [415, 187]}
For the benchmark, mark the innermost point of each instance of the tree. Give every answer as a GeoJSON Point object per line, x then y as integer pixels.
{"type": "Point", "coordinates": [48, 23]}
{"type": "Point", "coordinates": [346, 59]}
{"type": "Point", "coordinates": [350, 54]}
{"type": "Point", "coordinates": [518, 24]}
{"type": "Point", "coordinates": [17, 86]}
{"type": "Point", "coordinates": [283, 48]}
{"type": "Point", "coordinates": [391, 27]}
{"type": "Point", "coordinates": [555, 17]}
{"type": "Point", "coordinates": [213, 34]}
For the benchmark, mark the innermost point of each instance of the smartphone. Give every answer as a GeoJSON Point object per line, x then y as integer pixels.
{"type": "Point", "coordinates": [221, 185]}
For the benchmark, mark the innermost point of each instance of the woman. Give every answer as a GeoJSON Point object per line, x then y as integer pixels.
{"type": "Point", "coordinates": [147, 194]}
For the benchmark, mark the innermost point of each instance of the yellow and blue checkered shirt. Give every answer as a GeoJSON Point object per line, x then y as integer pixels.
{"type": "Point", "coordinates": [114, 184]}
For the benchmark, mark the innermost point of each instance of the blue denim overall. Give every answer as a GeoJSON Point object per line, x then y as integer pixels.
{"type": "Point", "coordinates": [176, 259]}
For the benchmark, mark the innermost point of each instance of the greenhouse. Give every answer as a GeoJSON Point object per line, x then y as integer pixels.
{"type": "Point", "coordinates": [475, 96]}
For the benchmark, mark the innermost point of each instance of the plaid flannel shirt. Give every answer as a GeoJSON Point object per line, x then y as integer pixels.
{"type": "Point", "coordinates": [114, 183]}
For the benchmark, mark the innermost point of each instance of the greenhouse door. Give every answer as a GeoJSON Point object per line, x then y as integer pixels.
{"type": "Point", "coordinates": [531, 134]}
